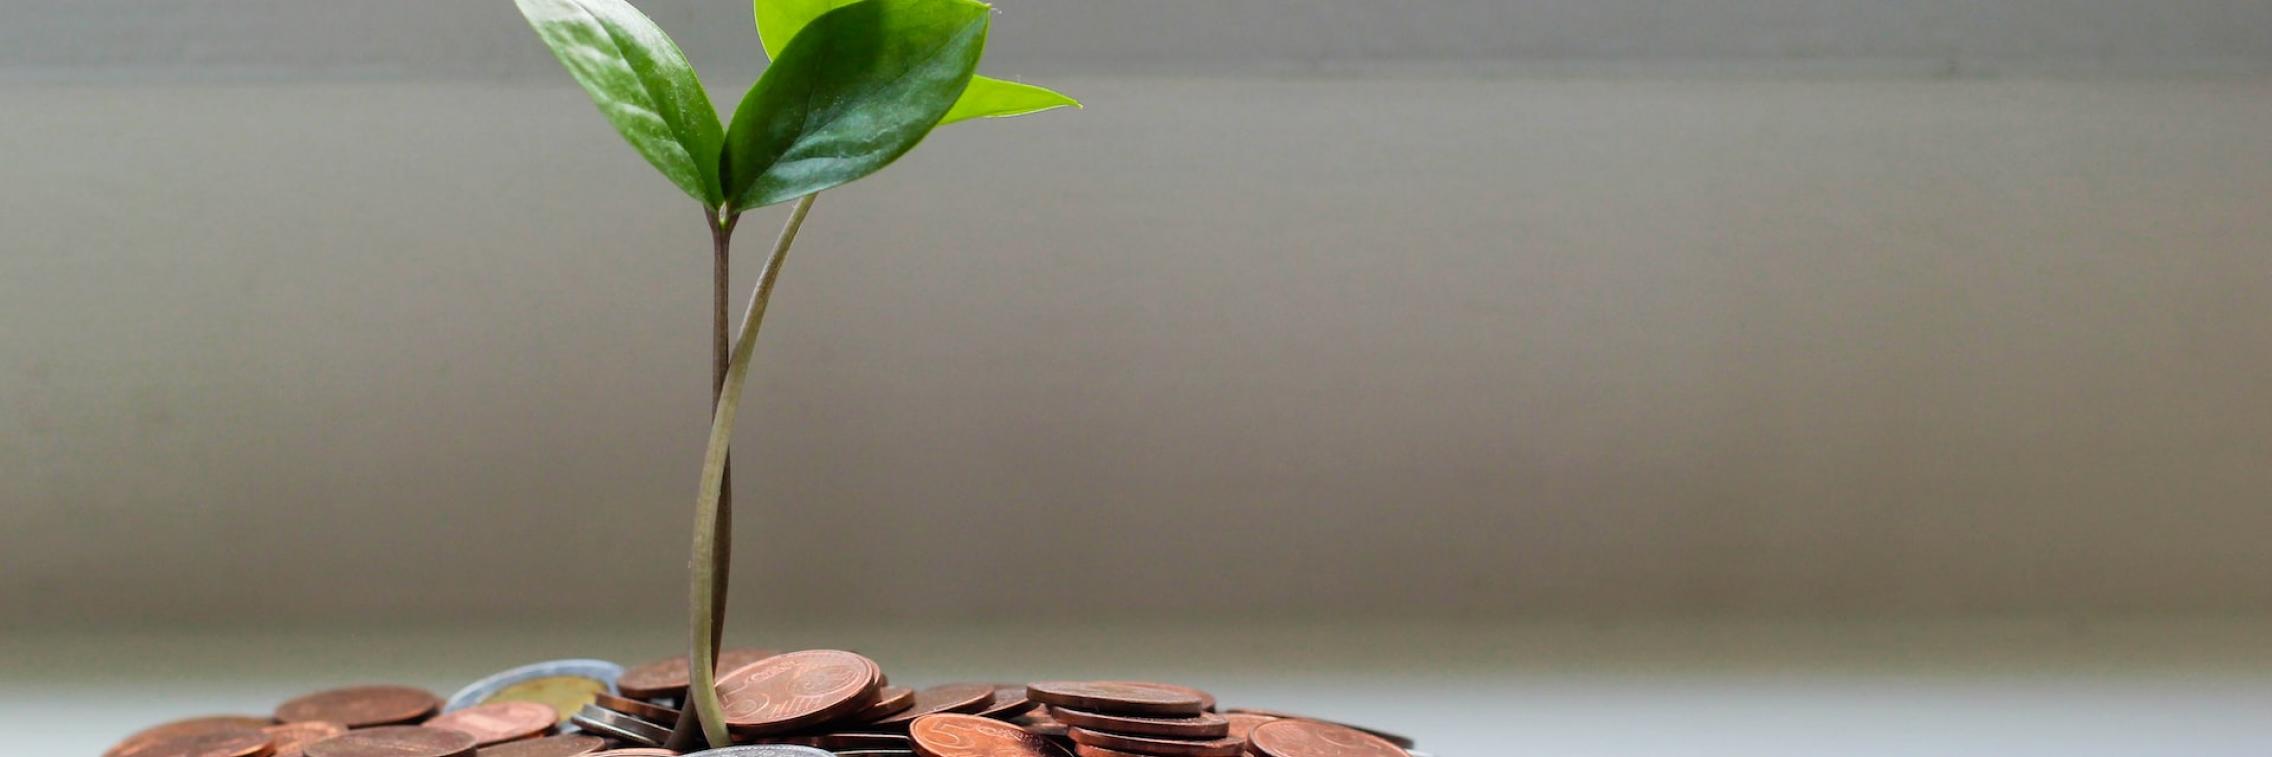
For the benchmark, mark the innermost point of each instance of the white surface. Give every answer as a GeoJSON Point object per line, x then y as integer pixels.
{"type": "Point", "coordinates": [2003, 689]}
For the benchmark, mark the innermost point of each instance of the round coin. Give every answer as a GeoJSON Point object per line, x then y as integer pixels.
{"type": "Point", "coordinates": [1009, 701]}
{"type": "Point", "coordinates": [395, 741]}
{"type": "Point", "coordinates": [637, 751]}
{"type": "Point", "coordinates": [188, 727]}
{"type": "Point", "coordinates": [1084, 750]}
{"type": "Point", "coordinates": [1039, 723]}
{"type": "Point", "coordinates": [571, 745]}
{"type": "Point", "coordinates": [497, 722]}
{"type": "Point", "coordinates": [234, 742]}
{"type": "Point", "coordinates": [1401, 741]}
{"type": "Point", "coordinates": [617, 725]}
{"type": "Point", "coordinates": [890, 700]}
{"type": "Point", "coordinates": [667, 678]}
{"type": "Point", "coordinates": [361, 706]}
{"type": "Point", "coordinates": [566, 685]}
{"type": "Point", "coordinates": [1154, 745]}
{"type": "Point", "coordinates": [1243, 723]}
{"type": "Point", "coordinates": [850, 740]}
{"type": "Point", "coordinates": [952, 735]}
{"type": "Point", "coordinates": [1313, 738]}
{"type": "Point", "coordinates": [953, 697]}
{"type": "Point", "coordinates": [635, 708]}
{"type": "Point", "coordinates": [290, 738]}
{"type": "Point", "coordinates": [790, 691]}
{"type": "Point", "coordinates": [1205, 725]}
{"type": "Point", "coordinates": [764, 750]}
{"type": "Point", "coordinates": [1121, 697]}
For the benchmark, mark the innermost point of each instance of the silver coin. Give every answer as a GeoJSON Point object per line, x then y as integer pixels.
{"type": "Point", "coordinates": [763, 750]}
{"type": "Point", "coordinates": [474, 693]}
{"type": "Point", "coordinates": [605, 722]}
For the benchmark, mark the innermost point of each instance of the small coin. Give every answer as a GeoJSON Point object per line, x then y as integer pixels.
{"type": "Point", "coordinates": [566, 685]}
{"type": "Point", "coordinates": [953, 697]}
{"type": "Point", "coordinates": [637, 751]}
{"type": "Point", "coordinates": [1009, 701]}
{"type": "Point", "coordinates": [1154, 745]}
{"type": "Point", "coordinates": [953, 735]}
{"type": "Point", "coordinates": [187, 727]}
{"type": "Point", "coordinates": [1243, 723]}
{"type": "Point", "coordinates": [361, 706]}
{"type": "Point", "coordinates": [643, 710]}
{"type": "Point", "coordinates": [233, 742]}
{"type": "Point", "coordinates": [570, 745]}
{"type": "Point", "coordinates": [497, 722]}
{"type": "Point", "coordinates": [763, 750]}
{"type": "Point", "coordinates": [1205, 725]}
{"type": "Point", "coordinates": [1084, 750]}
{"type": "Point", "coordinates": [1401, 741]}
{"type": "Point", "coordinates": [1314, 738]}
{"type": "Point", "coordinates": [290, 738]}
{"type": "Point", "coordinates": [395, 741]}
{"type": "Point", "coordinates": [617, 725]}
{"type": "Point", "coordinates": [1121, 697]}
{"type": "Point", "coordinates": [786, 692]}
{"type": "Point", "coordinates": [890, 700]}
{"type": "Point", "coordinates": [849, 740]}
{"type": "Point", "coordinates": [667, 678]}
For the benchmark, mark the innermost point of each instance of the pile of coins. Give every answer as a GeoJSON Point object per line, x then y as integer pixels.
{"type": "Point", "coordinates": [813, 703]}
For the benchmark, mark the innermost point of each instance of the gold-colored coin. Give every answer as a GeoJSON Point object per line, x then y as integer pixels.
{"type": "Point", "coordinates": [564, 694]}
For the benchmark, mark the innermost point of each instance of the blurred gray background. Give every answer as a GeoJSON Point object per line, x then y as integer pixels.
{"type": "Point", "coordinates": [1781, 319]}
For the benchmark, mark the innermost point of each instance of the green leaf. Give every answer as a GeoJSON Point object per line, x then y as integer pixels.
{"type": "Point", "coordinates": [988, 97]}
{"type": "Point", "coordinates": [778, 21]}
{"type": "Point", "coordinates": [642, 84]}
{"type": "Point", "coordinates": [856, 89]}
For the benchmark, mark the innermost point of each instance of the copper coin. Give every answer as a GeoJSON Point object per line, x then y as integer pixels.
{"type": "Point", "coordinates": [571, 745]}
{"type": "Point", "coordinates": [953, 697]}
{"type": "Point", "coordinates": [1039, 723]}
{"type": "Point", "coordinates": [1009, 701]}
{"type": "Point", "coordinates": [890, 700]}
{"type": "Point", "coordinates": [1121, 697]}
{"type": "Point", "coordinates": [635, 708]}
{"type": "Point", "coordinates": [667, 678]}
{"type": "Point", "coordinates": [1313, 738]}
{"type": "Point", "coordinates": [290, 738]}
{"type": "Point", "coordinates": [837, 742]}
{"type": "Point", "coordinates": [790, 691]}
{"type": "Point", "coordinates": [361, 706]}
{"type": "Point", "coordinates": [234, 742]}
{"type": "Point", "coordinates": [1243, 723]}
{"type": "Point", "coordinates": [952, 735]}
{"type": "Point", "coordinates": [395, 741]}
{"type": "Point", "coordinates": [187, 727]}
{"type": "Point", "coordinates": [1205, 725]}
{"type": "Point", "coordinates": [498, 722]}
{"type": "Point", "coordinates": [1154, 745]}
{"type": "Point", "coordinates": [637, 751]}
{"type": "Point", "coordinates": [1085, 750]}
{"type": "Point", "coordinates": [1401, 741]}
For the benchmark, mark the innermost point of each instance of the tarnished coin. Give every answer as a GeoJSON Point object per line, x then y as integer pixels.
{"type": "Point", "coordinates": [1154, 745]}
{"type": "Point", "coordinates": [850, 740]}
{"type": "Point", "coordinates": [890, 700]}
{"type": "Point", "coordinates": [565, 685]}
{"type": "Point", "coordinates": [952, 735]}
{"type": "Point", "coordinates": [289, 738]}
{"type": "Point", "coordinates": [570, 745]}
{"type": "Point", "coordinates": [395, 741]}
{"type": "Point", "coordinates": [1243, 723]}
{"type": "Point", "coordinates": [617, 725]}
{"type": "Point", "coordinates": [497, 722]}
{"type": "Point", "coordinates": [786, 692]}
{"type": "Point", "coordinates": [232, 742]}
{"type": "Point", "coordinates": [1121, 697]}
{"type": "Point", "coordinates": [361, 706]}
{"type": "Point", "coordinates": [667, 678]}
{"type": "Point", "coordinates": [1401, 741]}
{"type": "Point", "coordinates": [186, 727]}
{"type": "Point", "coordinates": [1084, 750]}
{"type": "Point", "coordinates": [1205, 725]}
{"type": "Point", "coordinates": [1009, 701]}
{"type": "Point", "coordinates": [1290, 737]}
{"type": "Point", "coordinates": [763, 750]}
{"type": "Point", "coordinates": [654, 713]}
{"type": "Point", "coordinates": [637, 751]}
{"type": "Point", "coordinates": [953, 697]}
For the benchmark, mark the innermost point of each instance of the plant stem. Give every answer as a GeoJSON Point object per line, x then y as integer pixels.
{"type": "Point", "coordinates": [706, 602]}
{"type": "Point", "coordinates": [688, 728]}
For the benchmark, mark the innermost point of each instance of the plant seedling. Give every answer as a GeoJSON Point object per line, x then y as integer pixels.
{"type": "Point", "coordinates": [853, 85]}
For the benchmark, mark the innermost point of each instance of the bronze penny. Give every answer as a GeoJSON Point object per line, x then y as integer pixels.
{"type": "Point", "coordinates": [1313, 738]}
{"type": "Point", "coordinates": [1205, 725]}
{"type": "Point", "coordinates": [890, 700]}
{"type": "Point", "coordinates": [361, 706]}
{"type": "Point", "coordinates": [1121, 697]}
{"type": "Point", "coordinates": [498, 722]}
{"type": "Point", "coordinates": [1085, 750]}
{"type": "Point", "coordinates": [842, 741]}
{"type": "Point", "coordinates": [1401, 741]}
{"type": "Point", "coordinates": [1009, 701]}
{"type": "Point", "coordinates": [571, 745]}
{"type": "Point", "coordinates": [953, 735]}
{"type": "Point", "coordinates": [1154, 745]}
{"type": "Point", "coordinates": [786, 692]}
{"type": "Point", "coordinates": [637, 751]}
{"type": "Point", "coordinates": [1243, 723]}
{"type": "Point", "coordinates": [635, 708]}
{"type": "Point", "coordinates": [953, 697]}
{"type": "Point", "coordinates": [667, 678]}
{"type": "Point", "coordinates": [290, 738]}
{"type": "Point", "coordinates": [188, 727]}
{"type": "Point", "coordinates": [235, 742]}
{"type": "Point", "coordinates": [395, 741]}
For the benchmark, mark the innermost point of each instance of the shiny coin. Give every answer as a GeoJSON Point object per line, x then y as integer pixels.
{"type": "Point", "coordinates": [188, 727]}
{"type": "Point", "coordinates": [953, 697]}
{"type": "Point", "coordinates": [1243, 723]}
{"type": "Point", "coordinates": [1401, 741]}
{"type": "Point", "coordinates": [1154, 745]}
{"type": "Point", "coordinates": [951, 735]}
{"type": "Point", "coordinates": [1009, 701]}
{"type": "Point", "coordinates": [1121, 697]}
{"type": "Point", "coordinates": [1205, 725]}
{"type": "Point", "coordinates": [289, 739]}
{"type": "Point", "coordinates": [565, 685]}
{"type": "Point", "coordinates": [790, 691]}
{"type": "Point", "coordinates": [653, 713]}
{"type": "Point", "coordinates": [497, 722]}
{"type": "Point", "coordinates": [571, 745]}
{"type": "Point", "coordinates": [395, 741]}
{"type": "Point", "coordinates": [614, 724]}
{"type": "Point", "coordinates": [233, 742]}
{"type": "Point", "coordinates": [890, 700]}
{"type": "Point", "coordinates": [361, 706]}
{"type": "Point", "coordinates": [667, 678]}
{"type": "Point", "coordinates": [1313, 738]}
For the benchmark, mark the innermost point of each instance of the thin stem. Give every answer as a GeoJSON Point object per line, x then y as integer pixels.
{"type": "Point", "coordinates": [706, 601]}
{"type": "Point", "coordinates": [688, 729]}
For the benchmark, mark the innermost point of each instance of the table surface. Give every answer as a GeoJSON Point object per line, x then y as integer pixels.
{"type": "Point", "coordinates": [1662, 688]}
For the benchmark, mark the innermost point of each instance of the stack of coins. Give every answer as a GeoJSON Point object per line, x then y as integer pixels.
{"type": "Point", "coordinates": [813, 703]}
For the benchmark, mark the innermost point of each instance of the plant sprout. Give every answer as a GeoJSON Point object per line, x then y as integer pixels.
{"type": "Point", "coordinates": [853, 85]}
